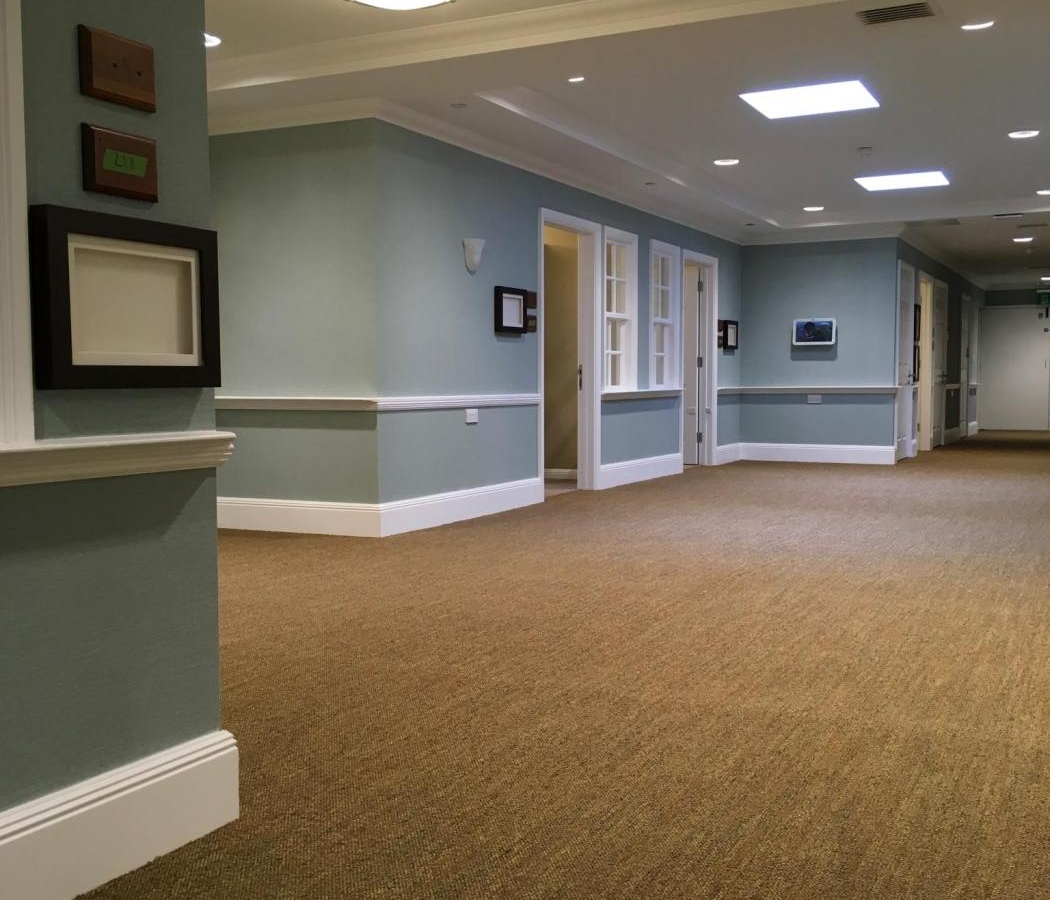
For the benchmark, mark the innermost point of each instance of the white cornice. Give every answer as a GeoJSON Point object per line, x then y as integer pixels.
{"type": "Point", "coordinates": [76, 459]}
{"type": "Point", "coordinates": [421, 123]}
{"type": "Point", "coordinates": [487, 34]}
{"type": "Point", "coordinates": [374, 404]}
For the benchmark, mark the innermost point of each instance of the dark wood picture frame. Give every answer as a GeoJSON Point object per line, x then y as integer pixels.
{"type": "Point", "coordinates": [503, 324]}
{"type": "Point", "coordinates": [730, 334]}
{"type": "Point", "coordinates": [49, 231]}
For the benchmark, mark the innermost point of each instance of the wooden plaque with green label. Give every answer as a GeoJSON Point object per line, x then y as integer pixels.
{"type": "Point", "coordinates": [119, 163]}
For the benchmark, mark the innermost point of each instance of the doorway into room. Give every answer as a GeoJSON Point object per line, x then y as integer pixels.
{"type": "Point", "coordinates": [699, 342]}
{"type": "Point", "coordinates": [570, 276]}
{"type": "Point", "coordinates": [908, 332]}
{"type": "Point", "coordinates": [933, 360]}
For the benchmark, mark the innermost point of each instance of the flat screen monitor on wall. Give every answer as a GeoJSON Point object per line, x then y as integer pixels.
{"type": "Point", "coordinates": [814, 333]}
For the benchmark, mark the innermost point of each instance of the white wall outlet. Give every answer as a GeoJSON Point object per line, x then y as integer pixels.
{"type": "Point", "coordinates": [814, 398]}
{"type": "Point", "coordinates": [472, 417]}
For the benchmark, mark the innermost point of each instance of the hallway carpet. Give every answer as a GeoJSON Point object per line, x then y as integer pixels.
{"type": "Point", "coordinates": [758, 682]}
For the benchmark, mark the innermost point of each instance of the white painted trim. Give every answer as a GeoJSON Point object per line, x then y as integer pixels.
{"type": "Point", "coordinates": [375, 404]}
{"type": "Point", "coordinates": [640, 395]}
{"type": "Point", "coordinates": [75, 459]}
{"type": "Point", "coordinates": [673, 352]}
{"type": "Point", "coordinates": [66, 843]}
{"type": "Point", "coordinates": [612, 475]}
{"type": "Point", "coordinates": [819, 453]}
{"type": "Point", "coordinates": [728, 453]}
{"type": "Point", "coordinates": [629, 361]}
{"type": "Point", "coordinates": [811, 389]}
{"type": "Point", "coordinates": [559, 474]}
{"type": "Point", "coordinates": [972, 428]}
{"type": "Point", "coordinates": [376, 519]}
{"type": "Point", "coordinates": [16, 376]}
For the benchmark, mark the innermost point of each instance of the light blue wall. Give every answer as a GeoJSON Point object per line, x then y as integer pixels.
{"type": "Point", "coordinates": [636, 429]}
{"type": "Point", "coordinates": [728, 419]}
{"type": "Point", "coordinates": [108, 606]}
{"type": "Point", "coordinates": [297, 219]}
{"type": "Point", "coordinates": [852, 419]}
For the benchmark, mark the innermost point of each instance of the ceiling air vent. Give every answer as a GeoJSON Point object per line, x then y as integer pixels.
{"type": "Point", "coordinates": [900, 13]}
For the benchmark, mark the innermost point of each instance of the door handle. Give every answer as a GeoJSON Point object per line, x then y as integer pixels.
{"type": "Point", "coordinates": [690, 410]}
{"type": "Point", "coordinates": [579, 375]}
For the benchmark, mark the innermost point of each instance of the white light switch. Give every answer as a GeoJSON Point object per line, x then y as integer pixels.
{"type": "Point", "coordinates": [814, 398]}
{"type": "Point", "coordinates": [472, 417]}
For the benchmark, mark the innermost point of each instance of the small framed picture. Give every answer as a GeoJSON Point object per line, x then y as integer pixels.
{"type": "Point", "coordinates": [510, 308]}
{"type": "Point", "coordinates": [730, 334]}
{"type": "Point", "coordinates": [120, 302]}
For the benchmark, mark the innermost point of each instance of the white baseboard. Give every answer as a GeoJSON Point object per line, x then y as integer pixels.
{"type": "Point", "coordinates": [951, 435]}
{"type": "Point", "coordinates": [70, 841]}
{"type": "Point", "coordinates": [560, 474]}
{"type": "Point", "coordinates": [808, 453]}
{"type": "Point", "coordinates": [821, 453]}
{"type": "Point", "coordinates": [972, 428]}
{"type": "Point", "coordinates": [614, 474]}
{"type": "Point", "coordinates": [728, 453]}
{"type": "Point", "coordinates": [376, 519]}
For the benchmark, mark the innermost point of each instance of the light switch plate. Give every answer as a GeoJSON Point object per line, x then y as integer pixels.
{"type": "Point", "coordinates": [117, 69]}
{"type": "Point", "coordinates": [472, 417]}
{"type": "Point", "coordinates": [814, 398]}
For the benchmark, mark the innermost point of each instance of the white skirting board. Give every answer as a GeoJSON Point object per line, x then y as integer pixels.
{"type": "Point", "coordinates": [75, 839]}
{"type": "Point", "coordinates": [951, 435]}
{"type": "Point", "coordinates": [972, 428]}
{"type": "Point", "coordinates": [809, 453]}
{"type": "Point", "coordinates": [614, 474]}
{"type": "Point", "coordinates": [727, 453]}
{"type": "Point", "coordinates": [376, 519]}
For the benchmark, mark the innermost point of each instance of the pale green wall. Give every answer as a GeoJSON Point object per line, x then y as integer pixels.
{"type": "Point", "coordinates": [108, 607]}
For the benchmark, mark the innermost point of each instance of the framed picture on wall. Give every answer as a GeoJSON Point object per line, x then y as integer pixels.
{"type": "Point", "coordinates": [119, 302]}
{"type": "Point", "coordinates": [730, 334]}
{"type": "Point", "coordinates": [510, 309]}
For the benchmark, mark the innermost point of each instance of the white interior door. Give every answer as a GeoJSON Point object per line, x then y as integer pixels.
{"type": "Point", "coordinates": [964, 374]}
{"type": "Point", "coordinates": [940, 361]}
{"type": "Point", "coordinates": [692, 392]}
{"type": "Point", "coordinates": [1015, 369]}
{"type": "Point", "coordinates": [907, 444]}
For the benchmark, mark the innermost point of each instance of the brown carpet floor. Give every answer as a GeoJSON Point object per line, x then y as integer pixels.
{"type": "Point", "coordinates": [757, 682]}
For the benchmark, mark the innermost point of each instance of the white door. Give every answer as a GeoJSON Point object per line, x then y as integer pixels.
{"type": "Point", "coordinates": [907, 445]}
{"type": "Point", "coordinates": [1015, 369]}
{"type": "Point", "coordinates": [964, 373]}
{"type": "Point", "coordinates": [940, 361]}
{"type": "Point", "coordinates": [693, 393]}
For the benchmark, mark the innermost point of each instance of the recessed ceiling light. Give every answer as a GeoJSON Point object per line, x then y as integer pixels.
{"type": "Point", "coordinates": [813, 209]}
{"type": "Point", "coordinates": [1045, 278]}
{"type": "Point", "coordinates": [211, 40]}
{"type": "Point", "coordinates": [1024, 240]}
{"type": "Point", "coordinates": [1045, 193]}
{"type": "Point", "coordinates": [402, 5]}
{"type": "Point", "coordinates": [1024, 135]}
{"type": "Point", "coordinates": [904, 182]}
{"type": "Point", "coordinates": [576, 79]}
{"type": "Point", "coordinates": [978, 26]}
{"type": "Point", "coordinates": [458, 105]}
{"type": "Point", "coordinates": [811, 100]}
{"type": "Point", "coordinates": [727, 162]}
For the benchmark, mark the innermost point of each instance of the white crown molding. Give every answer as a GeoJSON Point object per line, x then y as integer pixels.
{"type": "Point", "coordinates": [16, 378]}
{"type": "Point", "coordinates": [612, 475]}
{"type": "Point", "coordinates": [816, 234]}
{"type": "Point", "coordinates": [376, 519]}
{"type": "Point", "coordinates": [421, 123]}
{"type": "Point", "coordinates": [65, 843]}
{"type": "Point", "coordinates": [375, 404]}
{"type": "Point", "coordinates": [470, 37]}
{"type": "Point", "coordinates": [808, 389]}
{"type": "Point", "coordinates": [109, 456]}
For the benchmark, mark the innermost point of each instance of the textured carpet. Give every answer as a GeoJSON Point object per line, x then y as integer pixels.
{"type": "Point", "coordinates": [757, 682]}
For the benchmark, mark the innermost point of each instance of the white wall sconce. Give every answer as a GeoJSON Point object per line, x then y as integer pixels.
{"type": "Point", "coordinates": [472, 250]}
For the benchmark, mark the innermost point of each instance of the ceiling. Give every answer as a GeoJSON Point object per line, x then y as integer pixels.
{"type": "Point", "coordinates": [660, 103]}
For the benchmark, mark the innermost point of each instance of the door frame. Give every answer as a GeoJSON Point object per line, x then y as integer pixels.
{"type": "Point", "coordinates": [965, 363]}
{"type": "Point", "coordinates": [907, 393]}
{"type": "Point", "coordinates": [928, 386]}
{"type": "Point", "coordinates": [588, 408]}
{"type": "Point", "coordinates": [707, 322]}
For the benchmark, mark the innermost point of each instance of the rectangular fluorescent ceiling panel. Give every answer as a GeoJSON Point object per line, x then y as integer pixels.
{"type": "Point", "coordinates": [812, 100]}
{"type": "Point", "coordinates": [905, 182]}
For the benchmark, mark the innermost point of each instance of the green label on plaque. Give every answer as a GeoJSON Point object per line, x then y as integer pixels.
{"type": "Point", "coordinates": [125, 163]}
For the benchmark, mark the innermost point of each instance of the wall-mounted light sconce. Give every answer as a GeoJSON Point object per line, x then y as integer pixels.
{"type": "Point", "coordinates": [472, 250]}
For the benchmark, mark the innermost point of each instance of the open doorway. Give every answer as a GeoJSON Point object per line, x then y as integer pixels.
{"type": "Point", "coordinates": [570, 276]}
{"type": "Point", "coordinates": [908, 333]}
{"type": "Point", "coordinates": [933, 360]}
{"type": "Point", "coordinates": [699, 359]}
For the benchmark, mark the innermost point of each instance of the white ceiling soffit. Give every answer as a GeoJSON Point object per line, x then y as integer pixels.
{"type": "Point", "coordinates": [543, 110]}
{"type": "Point", "coordinates": [468, 37]}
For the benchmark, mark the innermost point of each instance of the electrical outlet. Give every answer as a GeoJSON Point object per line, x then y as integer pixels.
{"type": "Point", "coordinates": [814, 399]}
{"type": "Point", "coordinates": [472, 417]}
{"type": "Point", "coordinates": [117, 69]}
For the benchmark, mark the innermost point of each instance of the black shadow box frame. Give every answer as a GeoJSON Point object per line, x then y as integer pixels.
{"type": "Point", "coordinates": [49, 230]}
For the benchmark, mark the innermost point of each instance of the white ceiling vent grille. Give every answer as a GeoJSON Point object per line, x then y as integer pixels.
{"type": "Point", "coordinates": [900, 13]}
